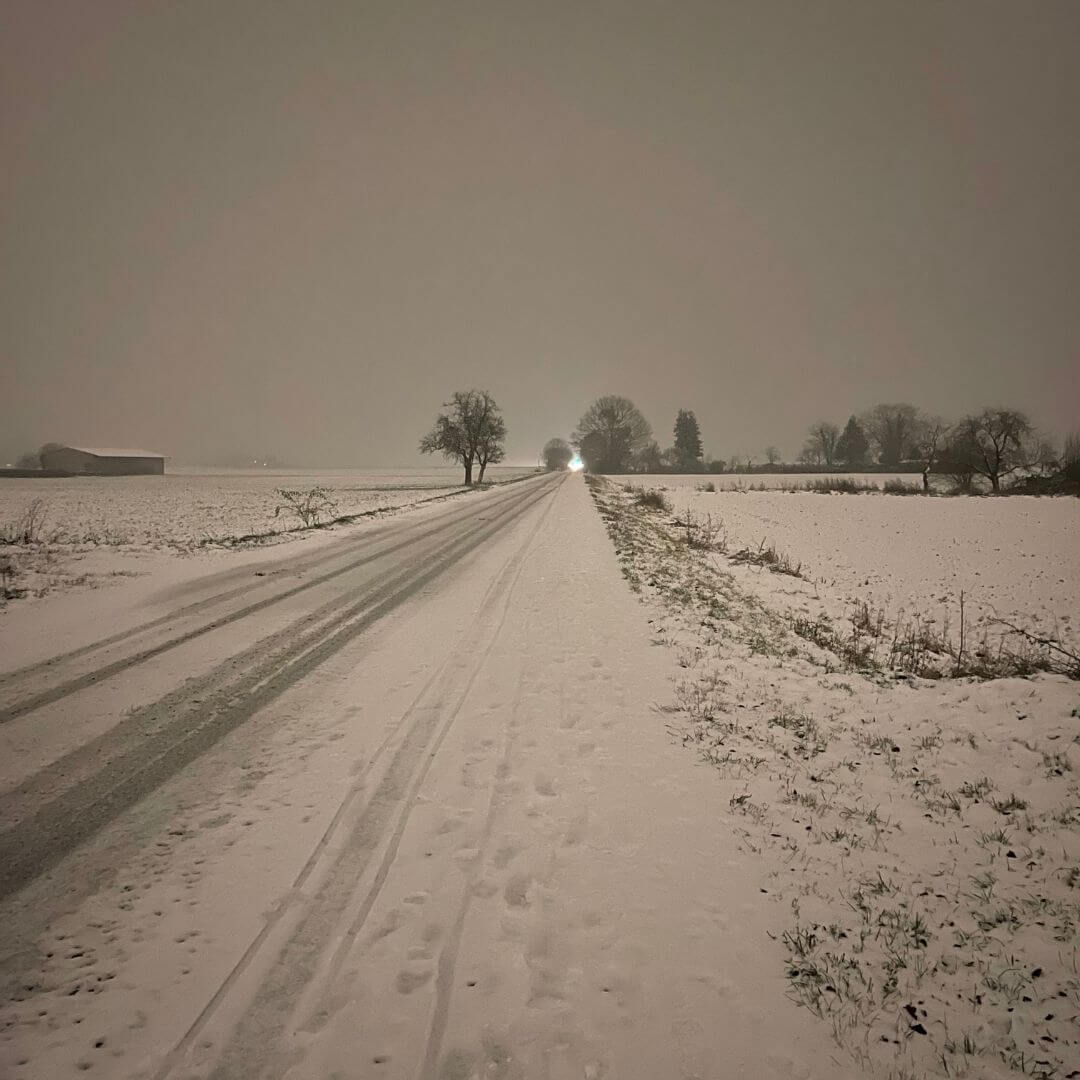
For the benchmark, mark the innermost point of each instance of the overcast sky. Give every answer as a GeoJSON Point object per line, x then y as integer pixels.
{"type": "Point", "coordinates": [296, 227]}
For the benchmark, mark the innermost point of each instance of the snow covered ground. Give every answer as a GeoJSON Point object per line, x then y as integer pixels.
{"type": "Point", "coordinates": [463, 846]}
{"type": "Point", "coordinates": [95, 530]}
{"type": "Point", "coordinates": [921, 836]}
{"type": "Point", "coordinates": [186, 507]}
{"type": "Point", "coordinates": [525, 824]}
{"type": "Point", "coordinates": [1016, 558]}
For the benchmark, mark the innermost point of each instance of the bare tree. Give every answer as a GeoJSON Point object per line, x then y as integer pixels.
{"type": "Point", "coordinates": [1070, 454]}
{"type": "Point", "coordinates": [609, 433]}
{"type": "Point", "coordinates": [557, 455]}
{"type": "Point", "coordinates": [823, 439]}
{"type": "Point", "coordinates": [470, 431]}
{"type": "Point", "coordinates": [491, 438]}
{"type": "Point", "coordinates": [928, 444]}
{"type": "Point", "coordinates": [994, 443]}
{"type": "Point", "coordinates": [892, 429]}
{"type": "Point", "coordinates": [772, 455]}
{"type": "Point", "coordinates": [1045, 457]}
{"type": "Point", "coordinates": [955, 460]}
{"type": "Point", "coordinates": [648, 459]}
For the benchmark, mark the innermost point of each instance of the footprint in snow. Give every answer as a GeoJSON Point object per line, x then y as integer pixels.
{"type": "Point", "coordinates": [544, 785]}
{"type": "Point", "coordinates": [408, 981]}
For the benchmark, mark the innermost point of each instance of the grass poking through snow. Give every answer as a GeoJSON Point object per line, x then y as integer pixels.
{"type": "Point", "coordinates": [914, 806]}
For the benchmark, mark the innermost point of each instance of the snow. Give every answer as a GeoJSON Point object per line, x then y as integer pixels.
{"type": "Point", "coordinates": [466, 847]}
{"type": "Point", "coordinates": [182, 508]}
{"type": "Point", "coordinates": [96, 531]}
{"type": "Point", "coordinates": [533, 824]}
{"type": "Point", "coordinates": [921, 835]}
{"type": "Point", "coordinates": [1016, 558]}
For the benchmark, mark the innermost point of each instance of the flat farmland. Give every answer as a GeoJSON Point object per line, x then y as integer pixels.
{"type": "Point", "coordinates": [186, 508]}
{"type": "Point", "coordinates": [91, 531]}
{"type": "Point", "coordinates": [1015, 558]}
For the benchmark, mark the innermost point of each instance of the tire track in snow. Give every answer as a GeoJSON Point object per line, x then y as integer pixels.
{"type": "Point", "coordinates": [253, 1048]}
{"type": "Point", "coordinates": [444, 981]}
{"type": "Point", "coordinates": [65, 803]}
{"type": "Point", "coordinates": [58, 691]}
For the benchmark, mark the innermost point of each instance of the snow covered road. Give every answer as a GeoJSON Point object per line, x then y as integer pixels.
{"type": "Point", "coordinates": [419, 818]}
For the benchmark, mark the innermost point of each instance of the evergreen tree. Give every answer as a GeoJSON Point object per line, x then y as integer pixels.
{"type": "Point", "coordinates": [853, 446]}
{"type": "Point", "coordinates": [688, 441]}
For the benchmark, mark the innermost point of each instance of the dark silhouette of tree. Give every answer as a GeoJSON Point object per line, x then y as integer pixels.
{"type": "Point", "coordinates": [772, 455]}
{"type": "Point", "coordinates": [821, 443]}
{"type": "Point", "coordinates": [688, 450]}
{"type": "Point", "coordinates": [557, 455]}
{"type": "Point", "coordinates": [609, 433]}
{"type": "Point", "coordinates": [928, 445]}
{"type": "Point", "coordinates": [471, 431]}
{"type": "Point", "coordinates": [1070, 457]}
{"type": "Point", "coordinates": [994, 443]}
{"type": "Point", "coordinates": [1070, 453]}
{"type": "Point", "coordinates": [30, 460]}
{"type": "Point", "coordinates": [955, 459]}
{"type": "Point", "coordinates": [853, 447]}
{"type": "Point", "coordinates": [892, 430]}
{"type": "Point", "coordinates": [648, 459]}
{"type": "Point", "coordinates": [490, 442]}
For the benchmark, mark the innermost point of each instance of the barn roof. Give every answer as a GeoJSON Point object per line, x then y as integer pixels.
{"type": "Point", "coordinates": [112, 451]}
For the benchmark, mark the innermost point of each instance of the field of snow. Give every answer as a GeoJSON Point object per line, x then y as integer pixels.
{"type": "Point", "coordinates": [918, 826]}
{"type": "Point", "coordinates": [186, 507]}
{"type": "Point", "coordinates": [1016, 558]}
{"type": "Point", "coordinates": [93, 530]}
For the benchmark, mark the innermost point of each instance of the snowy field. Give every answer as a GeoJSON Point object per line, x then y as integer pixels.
{"type": "Point", "coordinates": [93, 530]}
{"type": "Point", "coordinates": [188, 507]}
{"type": "Point", "coordinates": [1016, 558]}
{"type": "Point", "coordinates": [915, 818]}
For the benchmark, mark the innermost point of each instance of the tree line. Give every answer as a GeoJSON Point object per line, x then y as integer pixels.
{"type": "Point", "coordinates": [994, 444]}
{"type": "Point", "coordinates": [613, 436]}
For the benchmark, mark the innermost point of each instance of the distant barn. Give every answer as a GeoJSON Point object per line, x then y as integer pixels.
{"type": "Point", "coordinates": [102, 461]}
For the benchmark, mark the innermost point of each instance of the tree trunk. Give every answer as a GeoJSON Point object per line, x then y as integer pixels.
{"type": "Point", "coordinates": [995, 483]}
{"type": "Point", "coordinates": [468, 473]}
{"type": "Point", "coordinates": [926, 479]}
{"type": "Point", "coordinates": [480, 478]}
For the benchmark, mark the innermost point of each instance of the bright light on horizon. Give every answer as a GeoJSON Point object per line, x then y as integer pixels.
{"type": "Point", "coordinates": [576, 464]}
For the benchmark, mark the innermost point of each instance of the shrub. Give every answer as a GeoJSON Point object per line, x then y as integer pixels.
{"type": "Point", "coordinates": [8, 573]}
{"type": "Point", "coordinates": [769, 558]}
{"type": "Point", "coordinates": [705, 534]}
{"type": "Point", "coordinates": [28, 527]}
{"type": "Point", "coordinates": [843, 485]}
{"type": "Point", "coordinates": [309, 506]}
{"type": "Point", "coordinates": [652, 499]}
{"type": "Point", "coordinates": [899, 487]}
